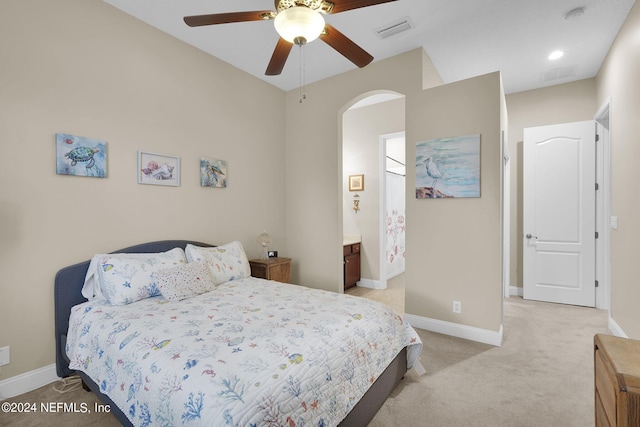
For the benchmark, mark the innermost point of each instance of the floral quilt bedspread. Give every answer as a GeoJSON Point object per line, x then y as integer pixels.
{"type": "Point", "coordinates": [250, 353]}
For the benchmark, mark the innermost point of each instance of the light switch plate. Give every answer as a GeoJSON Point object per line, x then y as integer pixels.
{"type": "Point", "coordinates": [5, 356]}
{"type": "Point", "coordinates": [614, 222]}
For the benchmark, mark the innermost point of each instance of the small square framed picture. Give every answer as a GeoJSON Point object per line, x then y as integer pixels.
{"type": "Point", "coordinates": [356, 182]}
{"type": "Point", "coordinates": [213, 173]}
{"type": "Point", "coordinates": [158, 169]}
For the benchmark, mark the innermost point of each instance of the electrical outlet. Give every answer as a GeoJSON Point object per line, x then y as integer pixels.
{"type": "Point", "coordinates": [5, 356]}
{"type": "Point", "coordinates": [457, 307]}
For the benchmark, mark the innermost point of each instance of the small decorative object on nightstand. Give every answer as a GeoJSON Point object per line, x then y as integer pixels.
{"type": "Point", "coordinates": [263, 241]}
{"type": "Point", "coordinates": [617, 381]}
{"type": "Point", "coordinates": [278, 269]}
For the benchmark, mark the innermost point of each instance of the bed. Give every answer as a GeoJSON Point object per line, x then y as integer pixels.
{"type": "Point", "coordinates": [238, 351]}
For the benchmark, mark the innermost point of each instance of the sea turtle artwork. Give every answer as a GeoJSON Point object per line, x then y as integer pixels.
{"type": "Point", "coordinates": [82, 154]}
{"type": "Point", "coordinates": [213, 173]}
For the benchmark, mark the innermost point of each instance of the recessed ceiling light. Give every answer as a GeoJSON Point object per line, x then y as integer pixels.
{"type": "Point", "coordinates": [556, 54]}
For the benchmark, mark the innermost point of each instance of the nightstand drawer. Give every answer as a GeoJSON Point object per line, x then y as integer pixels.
{"type": "Point", "coordinates": [278, 269]}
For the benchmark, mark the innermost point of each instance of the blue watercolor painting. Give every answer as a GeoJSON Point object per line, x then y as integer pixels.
{"type": "Point", "coordinates": [80, 156]}
{"type": "Point", "coordinates": [213, 173]}
{"type": "Point", "coordinates": [448, 167]}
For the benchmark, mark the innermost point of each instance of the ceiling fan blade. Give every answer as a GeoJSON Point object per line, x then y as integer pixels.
{"type": "Point", "coordinates": [227, 18]}
{"type": "Point", "coordinates": [279, 57]}
{"type": "Point", "coordinates": [345, 46]}
{"type": "Point", "coordinates": [343, 5]}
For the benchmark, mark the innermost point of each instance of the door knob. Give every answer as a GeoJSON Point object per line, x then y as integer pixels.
{"type": "Point", "coordinates": [528, 236]}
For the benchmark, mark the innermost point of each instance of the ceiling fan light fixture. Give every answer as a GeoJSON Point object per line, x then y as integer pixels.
{"type": "Point", "coordinates": [299, 24]}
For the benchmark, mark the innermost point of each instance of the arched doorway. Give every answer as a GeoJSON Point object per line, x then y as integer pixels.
{"type": "Point", "coordinates": [368, 123]}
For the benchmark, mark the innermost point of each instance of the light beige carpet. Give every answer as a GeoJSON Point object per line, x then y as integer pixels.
{"type": "Point", "coordinates": [542, 375]}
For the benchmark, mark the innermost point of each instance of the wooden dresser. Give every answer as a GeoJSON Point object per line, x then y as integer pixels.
{"type": "Point", "coordinates": [278, 269]}
{"type": "Point", "coordinates": [617, 381]}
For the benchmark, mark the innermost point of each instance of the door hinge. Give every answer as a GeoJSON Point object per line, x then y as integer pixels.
{"type": "Point", "coordinates": [597, 284]}
{"type": "Point", "coordinates": [597, 186]}
{"type": "Point", "coordinates": [597, 235]}
{"type": "Point", "coordinates": [597, 137]}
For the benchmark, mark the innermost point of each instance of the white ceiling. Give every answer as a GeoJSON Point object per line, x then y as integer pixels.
{"type": "Point", "coordinates": [463, 38]}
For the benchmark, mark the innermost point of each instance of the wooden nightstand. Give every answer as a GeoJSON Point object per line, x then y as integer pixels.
{"type": "Point", "coordinates": [278, 269]}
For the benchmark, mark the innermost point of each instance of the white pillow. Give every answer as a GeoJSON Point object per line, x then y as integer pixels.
{"type": "Point", "coordinates": [226, 262]}
{"type": "Point", "coordinates": [126, 278]}
{"type": "Point", "coordinates": [184, 281]}
{"type": "Point", "coordinates": [91, 288]}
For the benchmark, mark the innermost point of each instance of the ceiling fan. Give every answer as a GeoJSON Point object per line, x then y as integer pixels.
{"type": "Point", "coordinates": [298, 22]}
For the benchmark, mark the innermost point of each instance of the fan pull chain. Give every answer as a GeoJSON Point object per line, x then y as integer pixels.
{"type": "Point", "coordinates": [303, 95]}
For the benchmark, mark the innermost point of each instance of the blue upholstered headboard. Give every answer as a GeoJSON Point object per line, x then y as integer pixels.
{"type": "Point", "coordinates": [68, 292]}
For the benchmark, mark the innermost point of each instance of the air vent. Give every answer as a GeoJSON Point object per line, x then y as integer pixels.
{"type": "Point", "coordinates": [558, 73]}
{"type": "Point", "coordinates": [394, 28]}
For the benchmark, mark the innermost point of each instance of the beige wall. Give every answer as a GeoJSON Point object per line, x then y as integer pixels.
{"type": "Point", "coordinates": [454, 247]}
{"type": "Point", "coordinates": [618, 79]}
{"type": "Point", "coordinates": [314, 182]}
{"type": "Point", "coordinates": [314, 203]}
{"type": "Point", "coordinates": [565, 103]}
{"type": "Point", "coordinates": [85, 68]}
{"type": "Point", "coordinates": [361, 155]}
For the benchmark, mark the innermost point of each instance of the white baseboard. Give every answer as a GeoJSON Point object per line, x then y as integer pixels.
{"type": "Point", "coordinates": [28, 381]}
{"type": "Point", "coordinates": [616, 329]}
{"type": "Point", "coordinates": [515, 291]}
{"type": "Point", "coordinates": [394, 274]}
{"type": "Point", "coordinates": [456, 330]}
{"type": "Point", "coordinates": [372, 284]}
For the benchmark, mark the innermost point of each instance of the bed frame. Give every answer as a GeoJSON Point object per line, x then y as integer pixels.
{"type": "Point", "coordinates": [68, 293]}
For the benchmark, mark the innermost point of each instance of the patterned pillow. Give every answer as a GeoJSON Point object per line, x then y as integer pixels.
{"type": "Point", "coordinates": [184, 281]}
{"type": "Point", "coordinates": [226, 262]}
{"type": "Point", "coordinates": [127, 278]}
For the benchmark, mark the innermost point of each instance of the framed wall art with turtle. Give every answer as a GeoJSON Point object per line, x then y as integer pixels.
{"type": "Point", "coordinates": [80, 156]}
{"type": "Point", "coordinates": [213, 173]}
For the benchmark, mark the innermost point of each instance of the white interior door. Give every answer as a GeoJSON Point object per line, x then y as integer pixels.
{"type": "Point", "coordinates": [559, 213]}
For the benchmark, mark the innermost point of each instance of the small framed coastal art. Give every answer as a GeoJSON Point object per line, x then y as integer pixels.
{"type": "Point", "coordinates": [158, 169]}
{"type": "Point", "coordinates": [80, 156]}
{"type": "Point", "coordinates": [448, 167]}
{"type": "Point", "coordinates": [356, 182]}
{"type": "Point", "coordinates": [213, 173]}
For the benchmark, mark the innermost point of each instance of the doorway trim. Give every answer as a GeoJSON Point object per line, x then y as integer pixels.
{"type": "Point", "coordinates": [382, 155]}
{"type": "Point", "coordinates": [603, 207]}
{"type": "Point", "coordinates": [364, 99]}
